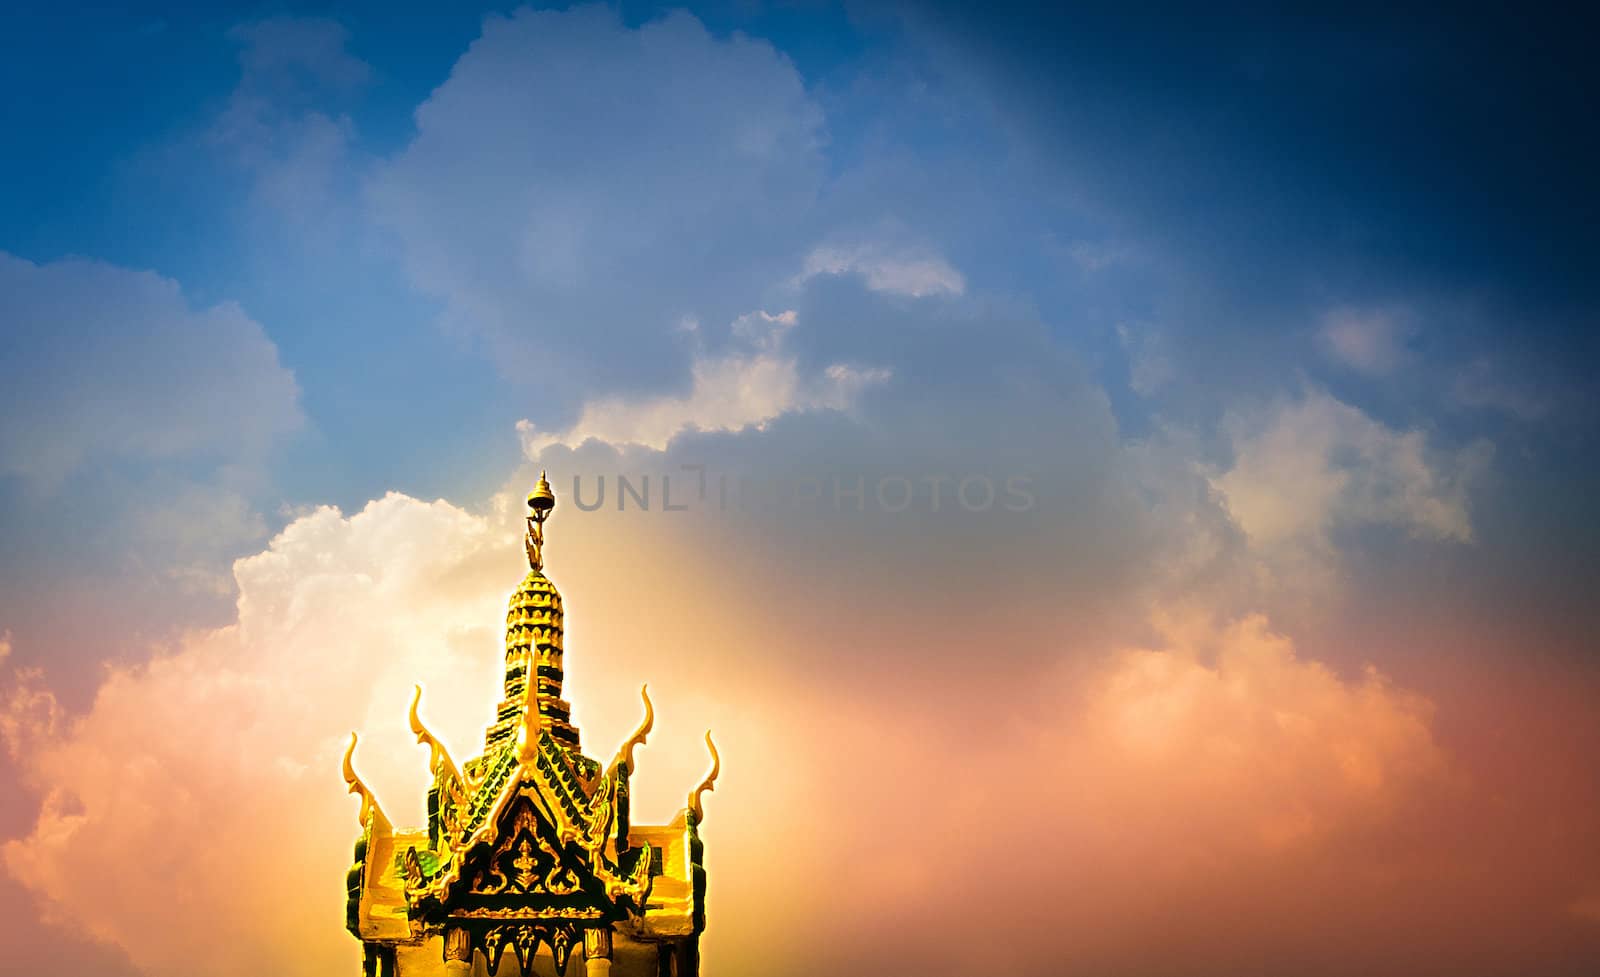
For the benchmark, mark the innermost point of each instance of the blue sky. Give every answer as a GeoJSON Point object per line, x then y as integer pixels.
{"type": "Point", "coordinates": [1214, 185]}
{"type": "Point", "coordinates": [1289, 316]}
{"type": "Point", "coordinates": [1186, 207]}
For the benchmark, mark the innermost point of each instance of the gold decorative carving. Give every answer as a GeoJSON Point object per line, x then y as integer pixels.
{"type": "Point", "coordinates": [530, 913]}
{"type": "Point", "coordinates": [561, 947]}
{"type": "Point", "coordinates": [371, 814]}
{"type": "Point", "coordinates": [525, 863]}
{"type": "Point", "coordinates": [412, 868]}
{"type": "Point", "coordinates": [597, 943]}
{"type": "Point", "coordinates": [525, 941]}
{"type": "Point", "coordinates": [560, 880]}
{"type": "Point", "coordinates": [457, 945]}
{"type": "Point", "coordinates": [439, 760]}
{"type": "Point", "coordinates": [707, 784]}
{"type": "Point", "coordinates": [625, 753]}
{"type": "Point", "coordinates": [494, 944]}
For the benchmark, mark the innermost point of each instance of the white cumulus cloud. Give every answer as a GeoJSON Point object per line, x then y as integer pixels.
{"type": "Point", "coordinates": [898, 270]}
{"type": "Point", "coordinates": [218, 762]}
{"type": "Point", "coordinates": [578, 187]}
{"type": "Point", "coordinates": [739, 390]}
{"type": "Point", "coordinates": [1305, 467]}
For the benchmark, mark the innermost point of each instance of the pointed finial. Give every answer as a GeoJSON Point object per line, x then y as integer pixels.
{"type": "Point", "coordinates": [625, 754]}
{"type": "Point", "coordinates": [371, 814]}
{"type": "Point", "coordinates": [540, 502]}
{"type": "Point", "coordinates": [439, 761]}
{"type": "Point", "coordinates": [707, 784]}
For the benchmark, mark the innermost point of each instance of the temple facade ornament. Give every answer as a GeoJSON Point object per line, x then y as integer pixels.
{"type": "Point", "coordinates": [529, 863]}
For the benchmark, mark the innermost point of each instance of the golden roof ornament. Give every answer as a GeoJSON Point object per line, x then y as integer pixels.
{"type": "Point", "coordinates": [625, 754]}
{"type": "Point", "coordinates": [371, 815]}
{"type": "Point", "coordinates": [529, 847]}
{"type": "Point", "coordinates": [439, 762]}
{"type": "Point", "coordinates": [710, 783]}
{"type": "Point", "coordinates": [541, 502]}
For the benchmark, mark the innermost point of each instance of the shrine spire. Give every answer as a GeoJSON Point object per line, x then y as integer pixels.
{"type": "Point", "coordinates": [541, 501]}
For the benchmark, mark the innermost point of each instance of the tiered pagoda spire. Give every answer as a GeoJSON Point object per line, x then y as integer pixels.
{"type": "Point", "coordinates": [529, 847]}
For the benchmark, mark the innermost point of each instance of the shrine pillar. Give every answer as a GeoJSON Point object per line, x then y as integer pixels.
{"type": "Point", "coordinates": [457, 952]}
{"type": "Point", "coordinates": [597, 953]}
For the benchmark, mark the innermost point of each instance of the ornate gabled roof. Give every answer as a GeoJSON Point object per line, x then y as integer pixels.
{"type": "Point", "coordinates": [530, 842]}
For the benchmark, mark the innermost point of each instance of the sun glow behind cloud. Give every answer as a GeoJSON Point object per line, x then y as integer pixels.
{"type": "Point", "coordinates": [1212, 758]}
{"type": "Point", "coordinates": [1261, 680]}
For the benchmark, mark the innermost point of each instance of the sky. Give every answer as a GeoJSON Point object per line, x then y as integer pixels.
{"type": "Point", "coordinates": [1117, 481]}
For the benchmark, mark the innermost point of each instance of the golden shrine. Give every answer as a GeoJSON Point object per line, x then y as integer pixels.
{"type": "Point", "coordinates": [528, 847]}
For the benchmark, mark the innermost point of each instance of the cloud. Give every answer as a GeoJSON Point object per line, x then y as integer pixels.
{"type": "Point", "coordinates": [297, 55]}
{"type": "Point", "coordinates": [1586, 909]}
{"type": "Point", "coordinates": [29, 712]}
{"type": "Point", "coordinates": [734, 392]}
{"type": "Point", "coordinates": [1305, 468]}
{"type": "Point", "coordinates": [137, 437]}
{"type": "Point", "coordinates": [1482, 385]}
{"type": "Point", "coordinates": [187, 526]}
{"type": "Point", "coordinates": [1150, 365]}
{"type": "Point", "coordinates": [1092, 256]}
{"type": "Point", "coordinates": [967, 685]}
{"type": "Point", "coordinates": [277, 124]}
{"type": "Point", "coordinates": [577, 187]}
{"type": "Point", "coordinates": [106, 365]}
{"type": "Point", "coordinates": [1278, 751]}
{"type": "Point", "coordinates": [1371, 341]}
{"type": "Point", "coordinates": [912, 271]}
{"type": "Point", "coordinates": [1262, 750]}
{"type": "Point", "coordinates": [225, 751]}
{"type": "Point", "coordinates": [1209, 773]}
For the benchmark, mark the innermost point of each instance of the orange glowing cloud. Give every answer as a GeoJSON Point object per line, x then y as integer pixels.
{"type": "Point", "coordinates": [1280, 750]}
{"type": "Point", "coordinates": [200, 787]}
{"type": "Point", "coordinates": [1138, 801]}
